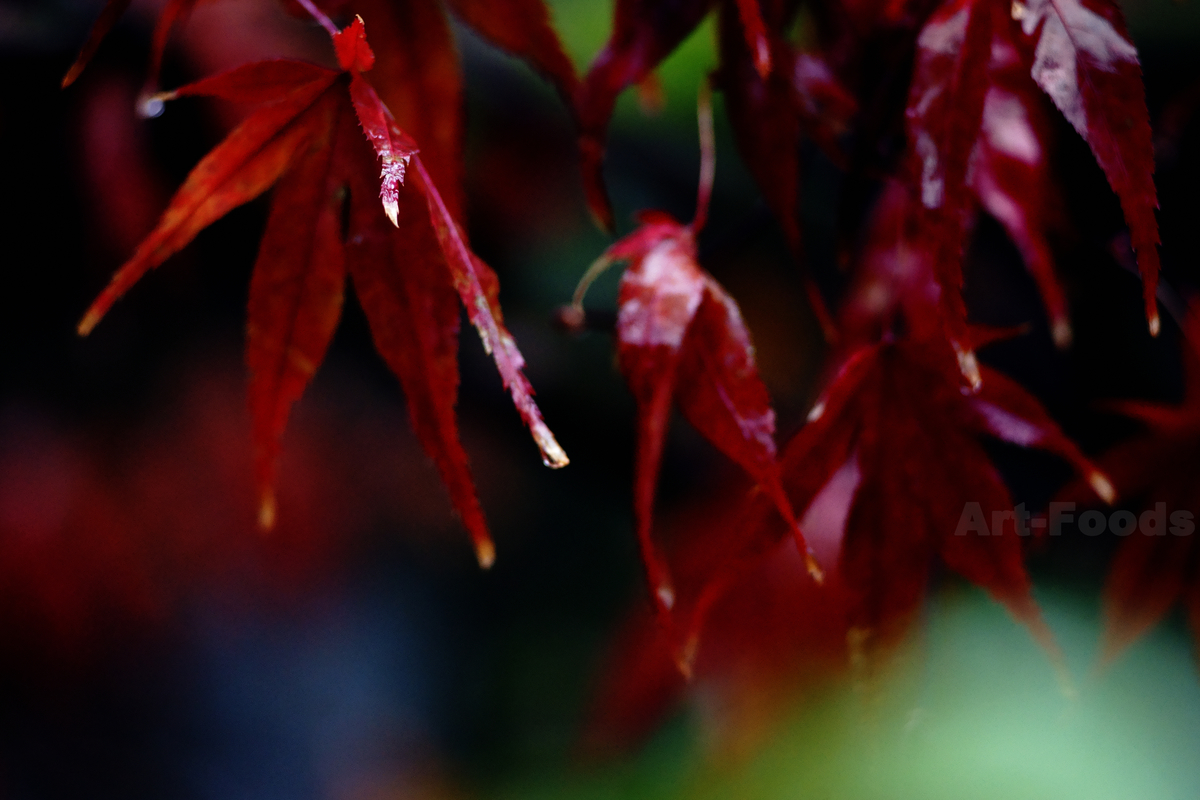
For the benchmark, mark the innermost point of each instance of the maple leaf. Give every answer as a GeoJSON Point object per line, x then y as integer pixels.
{"type": "Point", "coordinates": [1009, 172]}
{"type": "Point", "coordinates": [1158, 565]}
{"type": "Point", "coordinates": [891, 457]}
{"type": "Point", "coordinates": [404, 251]}
{"type": "Point", "coordinates": [1087, 64]}
{"type": "Point", "coordinates": [1006, 171]}
{"type": "Point", "coordinates": [897, 423]}
{"type": "Point", "coordinates": [682, 339]}
{"type": "Point", "coordinates": [522, 27]}
{"type": "Point", "coordinates": [770, 630]}
{"type": "Point", "coordinates": [944, 114]}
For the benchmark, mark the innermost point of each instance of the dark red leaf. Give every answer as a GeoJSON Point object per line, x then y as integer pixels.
{"type": "Point", "coordinates": [681, 338]}
{"type": "Point", "coordinates": [644, 33]}
{"type": "Point", "coordinates": [1085, 61]}
{"type": "Point", "coordinates": [353, 52]}
{"type": "Point", "coordinates": [392, 145]}
{"type": "Point", "coordinates": [413, 311]}
{"type": "Point", "coordinates": [112, 12]}
{"type": "Point", "coordinates": [1159, 563]}
{"type": "Point", "coordinates": [522, 27]}
{"type": "Point", "coordinates": [295, 295]}
{"type": "Point", "coordinates": [945, 110]}
{"type": "Point", "coordinates": [1010, 172]}
{"type": "Point", "coordinates": [766, 118]}
{"type": "Point", "coordinates": [406, 272]}
{"type": "Point", "coordinates": [897, 417]}
{"type": "Point", "coordinates": [473, 279]}
{"type": "Point", "coordinates": [239, 169]}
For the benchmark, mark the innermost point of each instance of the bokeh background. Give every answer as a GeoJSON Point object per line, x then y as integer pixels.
{"type": "Point", "coordinates": [153, 644]}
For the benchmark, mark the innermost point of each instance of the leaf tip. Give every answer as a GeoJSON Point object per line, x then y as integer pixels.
{"type": "Point", "coordinates": [685, 658]}
{"type": "Point", "coordinates": [89, 321]}
{"type": "Point", "coordinates": [553, 455]}
{"type": "Point", "coordinates": [814, 569]}
{"type": "Point", "coordinates": [762, 58]}
{"type": "Point", "coordinates": [1062, 334]}
{"type": "Point", "coordinates": [266, 512]}
{"type": "Point", "coordinates": [968, 365]}
{"type": "Point", "coordinates": [1103, 487]}
{"type": "Point", "coordinates": [485, 553]}
{"type": "Point", "coordinates": [350, 45]}
{"type": "Point", "coordinates": [391, 179]}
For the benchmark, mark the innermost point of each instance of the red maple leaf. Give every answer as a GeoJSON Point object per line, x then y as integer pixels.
{"type": "Point", "coordinates": [406, 255]}
{"type": "Point", "coordinates": [681, 340]}
{"type": "Point", "coordinates": [890, 463]}
{"type": "Point", "coordinates": [771, 630]}
{"type": "Point", "coordinates": [1010, 172]}
{"type": "Point", "coordinates": [1086, 63]}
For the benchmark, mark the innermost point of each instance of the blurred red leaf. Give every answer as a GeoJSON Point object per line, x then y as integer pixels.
{"type": "Point", "coordinates": [769, 632]}
{"type": "Point", "coordinates": [768, 111]}
{"type": "Point", "coordinates": [898, 417]}
{"type": "Point", "coordinates": [1158, 564]}
{"type": "Point", "coordinates": [945, 112]}
{"type": "Point", "coordinates": [112, 12]}
{"type": "Point", "coordinates": [1010, 172]}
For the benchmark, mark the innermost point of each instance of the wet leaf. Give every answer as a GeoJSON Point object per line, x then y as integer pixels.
{"type": "Point", "coordinates": [405, 264]}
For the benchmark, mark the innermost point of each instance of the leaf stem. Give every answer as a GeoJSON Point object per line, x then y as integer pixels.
{"type": "Point", "coordinates": [708, 154]}
{"type": "Point", "coordinates": [594, 271]}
